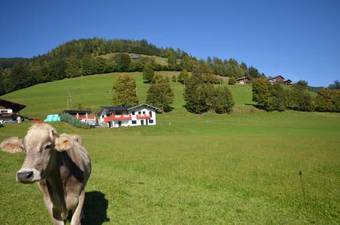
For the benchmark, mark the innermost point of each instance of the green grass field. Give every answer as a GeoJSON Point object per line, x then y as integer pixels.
{"type": "Point", "coordinates": [241, 168]}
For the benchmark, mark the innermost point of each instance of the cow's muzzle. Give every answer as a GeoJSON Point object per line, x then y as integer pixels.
{"type": "Point", "coordinates": [28, 175]}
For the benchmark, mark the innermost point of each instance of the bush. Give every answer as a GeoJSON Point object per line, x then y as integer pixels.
{"type": "Point", "coordinates": [260, 91]}
{"type": "Point", "coordinates": [328, 100]}
{"type": "Point", "coordinates": [277, 99]}
{"type": "Point", "coordinates": [183, 77]}
{"type": "Point", "coordinates": [160, 93]}
{"type": "Point", "coordinates": [269, 97]}
{"type": "Point", "coordinates": [222, 100]}
{"type": "Point", "coordinates": [148, 73]}
{"type": "Point", "coordinates": [232, 81]}
{"type": "Point", "coordinates": [201, 96]}
{"type": "Point", "coordinates": [174, 78]}
{"type": "Point", "coordinates": [300, 99]}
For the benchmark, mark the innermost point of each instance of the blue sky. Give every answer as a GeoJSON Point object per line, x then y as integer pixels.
{"type": "Point", "coordinates": [299, 39]}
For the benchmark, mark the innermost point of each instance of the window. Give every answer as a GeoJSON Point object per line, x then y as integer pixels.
{"type": "Point", "coordinates": [133, 112]}
{"type": "Point", "coordinates": [144, 112]}
{"type": "Point", "coordinates": [134, 122]}
{"type": "Point", "coordinates": [150, 121]}
{"type": "Point", "coordinates": [150, 113]}
{"type": "Point", "coordinates": [139, 112]}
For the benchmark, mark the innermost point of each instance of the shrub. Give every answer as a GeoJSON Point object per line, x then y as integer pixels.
{"type": "Point", "coordinates": [232, 81]}
{"type": "Point", "coordinates": [148, 73]}
{"type": "Point", "coordinates": [174, 78]}
{"type": "Point", "coordinates": [300, 99]}
{"type": "Point", "coordinates": [183, 77]}
{"type": "Point", "coordinates": [260, 91]}
{"type": "Point", "coordinates": [328, 100]}
{"type": "Point", "coordinates": [222, 100]}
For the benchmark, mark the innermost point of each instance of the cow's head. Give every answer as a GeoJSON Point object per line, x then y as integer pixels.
{"type": "Point", "coordinates": [41, 145]}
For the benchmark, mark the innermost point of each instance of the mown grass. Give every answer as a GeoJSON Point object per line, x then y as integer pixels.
{"type": "Point", "coordinates": [241, 168]}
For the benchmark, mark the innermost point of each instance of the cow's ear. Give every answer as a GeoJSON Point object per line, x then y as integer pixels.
{"type": "Point", "coordinates": [12, 145]}
{"type": "Point", "coordinates": [53, 134]}
{"type": "Point", "coordinates": [63, 143]}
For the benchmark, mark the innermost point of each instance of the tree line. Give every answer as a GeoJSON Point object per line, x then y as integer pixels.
{"type": "Point", "coordinates": [276, 97]}
{"type": "Point", "coordinates": [87, 56]}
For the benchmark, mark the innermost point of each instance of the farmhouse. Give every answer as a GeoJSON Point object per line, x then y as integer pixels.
{"type": "Point", "coordinates": [243, 80]}
{"type": "Point", "coordinates": [9, 110]}
{"type": "Point", "coordinates": [122, 116]}
{"type": "Point", "coordinates": [276, 80]}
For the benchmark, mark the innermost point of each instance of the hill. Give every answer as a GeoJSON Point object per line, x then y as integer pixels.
{"type": "Point", "coordinates": [241, 168]}
{"type": "Point", "coordinates": [98, 56]}
{"type": "Point", "coordinates": [95, 91]}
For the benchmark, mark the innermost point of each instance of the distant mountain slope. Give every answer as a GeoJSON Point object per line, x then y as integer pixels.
{"type": "Point", "coordinates": [97, 56]}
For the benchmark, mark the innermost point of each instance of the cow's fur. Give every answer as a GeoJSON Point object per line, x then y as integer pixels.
{"type": "Point", "coordinates": [61, 167]}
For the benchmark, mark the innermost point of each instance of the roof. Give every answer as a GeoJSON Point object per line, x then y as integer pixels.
{"type": "Point", "coordinates": [279, 76]}
{"type": "Point", "coordinates": [243, 78]}
{"type": "Point", "coordinates": [16, 107]}
{"type": "Point", "coordinates": [76, 111]}
{"type": "Point", "coordinates": [110, 109]}
{"type": "Point", "coordinates": [146, 106]}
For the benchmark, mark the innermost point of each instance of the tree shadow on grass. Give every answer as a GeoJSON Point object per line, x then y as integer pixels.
{"type": "Point", "coordinates": [95, 208]}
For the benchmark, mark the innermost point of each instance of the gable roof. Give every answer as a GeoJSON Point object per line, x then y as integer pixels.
{"type": "Point", "coordinates": [243, 78]}
{"type": "Point", "coordinates": [146, 106]}
{"type": "Point", "coordinates": [111, 109]}
{"type": "Point", "coordinates": [274, 78]}
{"type": "Point", "coordinates": [16, 107]}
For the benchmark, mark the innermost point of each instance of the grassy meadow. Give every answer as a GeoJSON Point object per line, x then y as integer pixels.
{"type": "Point", "coordinates": [250, 167]}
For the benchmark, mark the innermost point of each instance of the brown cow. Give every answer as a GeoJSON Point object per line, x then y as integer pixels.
{"type": "Point", "coordinates": [61, 167]}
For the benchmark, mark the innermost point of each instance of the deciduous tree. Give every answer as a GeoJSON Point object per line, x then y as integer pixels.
{"type": "Point", "coordinates": [160, 93]}
{"type": "Point", "coordinates": [124, 91]}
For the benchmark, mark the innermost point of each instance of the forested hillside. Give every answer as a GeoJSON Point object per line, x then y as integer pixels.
{"type": "Point", "coordinates": [92, 56]}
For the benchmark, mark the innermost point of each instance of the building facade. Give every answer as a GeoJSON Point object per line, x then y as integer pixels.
{"type": "Point", "coordinates": [121, 116]}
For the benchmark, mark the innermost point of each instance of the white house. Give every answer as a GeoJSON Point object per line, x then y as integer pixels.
{"type": "Point", "coordinates": [121, 116]}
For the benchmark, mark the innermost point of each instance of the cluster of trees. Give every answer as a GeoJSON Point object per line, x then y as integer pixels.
{"type": "Point", "coordinates": [297, 97]}
{"type": "Point", "coordinates": [201, 95]}
{"type": "Point", "coordinates": [232, 68]}
{"type": "Point", "coordinates": [159, 93]}
{"type": "Point", "coordinates": [91, 56]}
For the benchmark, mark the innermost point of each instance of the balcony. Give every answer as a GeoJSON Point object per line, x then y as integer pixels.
{"type": "Point", "coordinates": [117, 118]}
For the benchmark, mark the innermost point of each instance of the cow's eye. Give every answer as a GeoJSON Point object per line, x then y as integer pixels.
{"type": "Point", "coordinates": [47, 146]}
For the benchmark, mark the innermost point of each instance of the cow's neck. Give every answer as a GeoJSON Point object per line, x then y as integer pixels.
{"type": "Point", "coordinates": [55, 183]}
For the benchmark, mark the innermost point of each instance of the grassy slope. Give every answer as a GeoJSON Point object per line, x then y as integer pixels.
{"type": "Point", "coordinates": [157, 59]}
{"type": "Point", "coordinates": [189, 169]}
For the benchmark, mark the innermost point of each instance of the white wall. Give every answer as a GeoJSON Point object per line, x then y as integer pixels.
{"type": "Point", "coordinates": [140, 111]}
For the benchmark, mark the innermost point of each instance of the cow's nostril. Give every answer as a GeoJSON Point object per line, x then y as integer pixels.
{"type": "Point", "coordinates": [25, 176]}
{"type": "Point", "coordinates": [29, 175]}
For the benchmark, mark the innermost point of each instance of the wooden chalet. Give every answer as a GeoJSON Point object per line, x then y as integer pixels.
{"type": "Point", "coordinates": [277, 80]}
{"type": "Point", "coordinates": [243, 80]}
